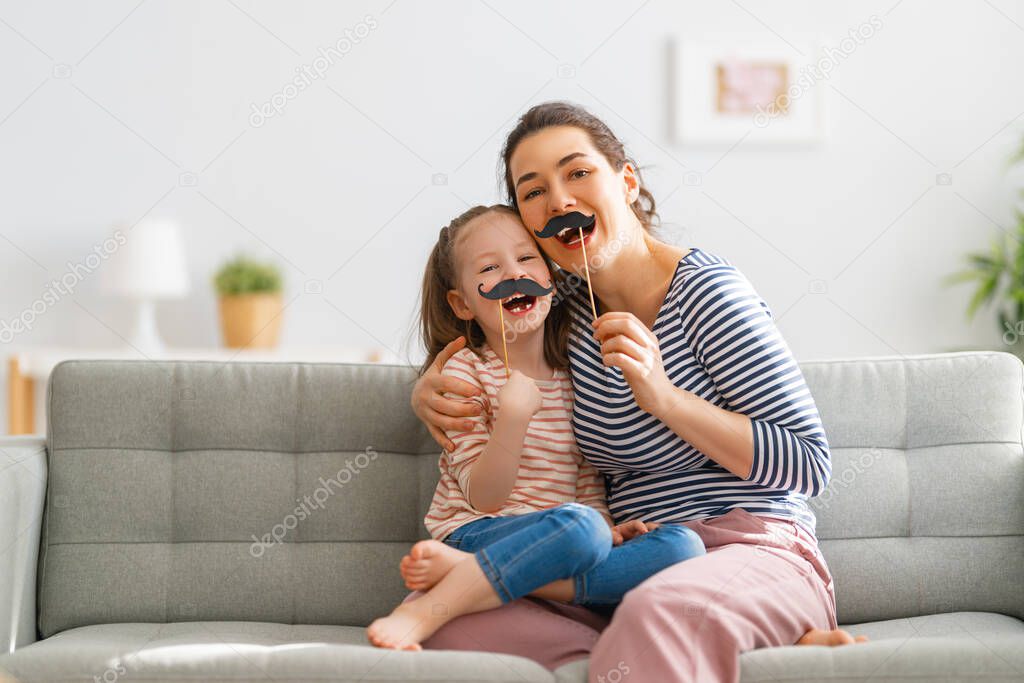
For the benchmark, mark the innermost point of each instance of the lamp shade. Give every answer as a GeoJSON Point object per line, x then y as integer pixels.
{"type": "Point", "coordinates": [151, 263]}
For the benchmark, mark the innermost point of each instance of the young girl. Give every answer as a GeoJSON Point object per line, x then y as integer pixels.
{"type": "Point", "coordinates": [517, 510]}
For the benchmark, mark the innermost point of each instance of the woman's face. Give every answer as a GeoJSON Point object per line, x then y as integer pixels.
{"type": "Point", "coordinates": [557, 171]}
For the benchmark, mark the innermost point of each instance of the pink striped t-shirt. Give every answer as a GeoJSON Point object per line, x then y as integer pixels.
{"type": "Point", "coordinates": [551, 469]}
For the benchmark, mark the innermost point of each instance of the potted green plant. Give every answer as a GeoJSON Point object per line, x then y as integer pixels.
{"type": "Point", "coordinates": [250, 303]}
{"type": "Point", "coordinates": [999, 275]}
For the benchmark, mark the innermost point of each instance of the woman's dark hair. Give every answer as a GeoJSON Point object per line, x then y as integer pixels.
{"type": "Point", "coordinates": [550, 114]}
{"type": "Point", "coordinates": [438, 323]}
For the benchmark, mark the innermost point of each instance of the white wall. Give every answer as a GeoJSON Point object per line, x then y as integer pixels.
{"type": "Point", "coordinates": [344, 176]}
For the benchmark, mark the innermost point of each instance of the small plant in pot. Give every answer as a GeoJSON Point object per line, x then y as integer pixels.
{"type": "Point", "coordinates": [250, 303]}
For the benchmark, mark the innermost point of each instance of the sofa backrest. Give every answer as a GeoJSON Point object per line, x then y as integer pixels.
{"type": "Point", "coordinates": [190, 491]}
{"type": "Point", "coordinates": [924, 513]}
{"type": "Point", "coordinates": [193, 491]}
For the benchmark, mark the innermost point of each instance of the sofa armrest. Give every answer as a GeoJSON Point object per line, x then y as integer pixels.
{"type": "Point", "coordinates": [22, 493]}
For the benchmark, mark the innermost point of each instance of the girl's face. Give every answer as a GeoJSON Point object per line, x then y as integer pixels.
{"type": "Point", "coordinates": [558, 170]}
{"type": "Point", "coordinates": [492, 248]}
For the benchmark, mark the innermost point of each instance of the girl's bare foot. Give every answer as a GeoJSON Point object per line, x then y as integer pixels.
{"type": "Point", "coordinates": [463, 590]}
{"type": "Point", "coordinates": [427, 563]}
{"type": "Point", "coordinates": [400, 630]}
{"type": "Point", "coordinates": [835, 637]}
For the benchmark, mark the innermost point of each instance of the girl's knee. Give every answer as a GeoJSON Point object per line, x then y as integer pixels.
{"type": "Point", "coordinates": [682, 542]}
{"type": "Point", "coordinates": [671, 544]}
{"type": "Point", "coordinates": [585, 531]}
{"type": "Point", "coordinates": [584, 518]}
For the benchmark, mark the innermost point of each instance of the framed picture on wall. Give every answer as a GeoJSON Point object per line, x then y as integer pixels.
{"type": "Point", "coordinates": [727, 89]}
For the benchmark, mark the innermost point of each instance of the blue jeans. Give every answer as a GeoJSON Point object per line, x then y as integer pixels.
{"type": "Point", "coordinates": [521, 553]}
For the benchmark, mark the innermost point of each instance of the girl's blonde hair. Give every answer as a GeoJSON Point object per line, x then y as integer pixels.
{"type": "Point", "coordinates": [438, 322]}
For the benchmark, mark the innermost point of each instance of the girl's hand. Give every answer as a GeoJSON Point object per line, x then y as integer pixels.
{"type": "Point", "coordinates": [627, 344]}
{"type": "Point", "coordinates": [631, 529]}
{"type": "Point", "coordinates": [520, 396]}
{"type": "Point", "coordinates": [436, 411]}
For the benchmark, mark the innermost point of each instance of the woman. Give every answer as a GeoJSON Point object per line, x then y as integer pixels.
{"type": "Point", "coordinates": [690, 403]}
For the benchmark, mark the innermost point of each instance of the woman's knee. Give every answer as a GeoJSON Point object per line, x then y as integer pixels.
{"type": "Point", "coordinates": [670, 587]}
{"type": "Point", "coordinates": [648, 606]}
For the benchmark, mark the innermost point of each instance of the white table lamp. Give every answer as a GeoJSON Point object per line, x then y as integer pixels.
{"type": "Point", "coordinates": [150, 266]}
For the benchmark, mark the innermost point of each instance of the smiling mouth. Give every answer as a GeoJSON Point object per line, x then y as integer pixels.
{"type": "Point", "coordinates": [520, 303]}
{"type": "Point", "coordinates": [570, 237]}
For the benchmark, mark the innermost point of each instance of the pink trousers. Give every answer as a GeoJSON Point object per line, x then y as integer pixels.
{"type": "Point", "coordinates": [763, 583]}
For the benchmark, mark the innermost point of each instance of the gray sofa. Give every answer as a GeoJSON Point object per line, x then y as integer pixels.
{"type": "Point", "coordinates": [212, 522]}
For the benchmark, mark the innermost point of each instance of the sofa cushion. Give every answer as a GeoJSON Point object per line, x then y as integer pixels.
{"type": "Point", "coordinates": [962, 646]}
{"type": "Point", "coordinates": [247, 651]}
{"type": "Point", "coordinates": [948, 647]}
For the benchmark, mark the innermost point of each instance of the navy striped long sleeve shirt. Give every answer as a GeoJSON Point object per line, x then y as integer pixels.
{"type": "Point", "coordinates": [718, 340]}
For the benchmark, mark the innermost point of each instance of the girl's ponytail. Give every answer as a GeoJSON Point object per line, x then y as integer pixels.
{"type": "Point", "coordinates": [438, 323]}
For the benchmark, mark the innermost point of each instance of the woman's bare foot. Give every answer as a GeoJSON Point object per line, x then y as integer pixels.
{"type": "Point", "coordinates": [427, 563]}
{"type": "Point", "coordinates": [834, 637]}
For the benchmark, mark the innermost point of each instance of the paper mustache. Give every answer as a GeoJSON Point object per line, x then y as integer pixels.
{"type": "Point", "coordinates": [573, 219]}
{"type": "Point", "coordinates": [577, 220]}
{"type": "Point", "coordinates": [507, 288]}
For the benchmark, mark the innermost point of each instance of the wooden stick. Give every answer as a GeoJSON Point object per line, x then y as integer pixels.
{"type": "Point", "coordinates": [586, 265]}
{"type": "Point", "coordinates": [504, 343]}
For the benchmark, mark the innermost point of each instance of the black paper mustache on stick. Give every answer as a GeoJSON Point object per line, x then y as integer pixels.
{"type": "Point", "coordinates": [573, 219]}
{"type": "Point", "coordinates": [507, 288]}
